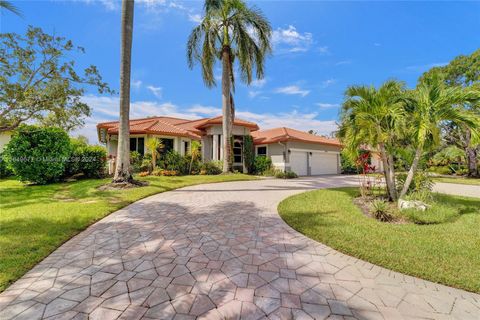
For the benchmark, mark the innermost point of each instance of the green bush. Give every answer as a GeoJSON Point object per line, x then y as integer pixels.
{"type": "Point", "coordinates": [93, 161]}
{"type": "Point", "coordinates": [211, 168]}
{"type": "Point", "coordinates": [248, 153]}
{"type": "Point", "coordinates": [262, 164]}
{"type": "Point", "coordinates": [422, 181]}
{"type": "Point", "coordinates": [38, 154]}
{"type": "Point", "coordinates": [136, 160]}
{"type": "Point", "coordinates": [286, 175]}
{"type": "Point", "coordinates": [440, 169]}
{"type": "Point", "coordinates": [5, 171]}
{"type": "Point", "coordinates": [381, 210]}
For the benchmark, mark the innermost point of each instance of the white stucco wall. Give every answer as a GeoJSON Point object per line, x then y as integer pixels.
{"type": "Point", "coordinates": [4, 139]}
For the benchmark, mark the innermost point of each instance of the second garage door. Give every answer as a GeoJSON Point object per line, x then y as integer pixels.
{"type": "Point", "coordinates": [323, 163]}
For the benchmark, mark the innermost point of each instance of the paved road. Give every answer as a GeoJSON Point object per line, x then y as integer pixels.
{"type": "Point", "coordinates": [220, 251]}
{"type": "Point", "coordinates": [457, 189]}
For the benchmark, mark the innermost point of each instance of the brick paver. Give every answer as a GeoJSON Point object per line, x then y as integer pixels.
{"type": "Point", "coordinates": [220, 251]}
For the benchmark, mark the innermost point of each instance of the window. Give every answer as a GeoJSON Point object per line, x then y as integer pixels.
{"type": "Point", "coordinates": [262, 151]}
{"type": "Point", "coordinates": [185, 147]}
{"type": "Point", "coordinates": [167, 145]}
{"type": "Point", "coordinates": [237, 150]}
{"type": "Point", "coordinates": [137, 144]}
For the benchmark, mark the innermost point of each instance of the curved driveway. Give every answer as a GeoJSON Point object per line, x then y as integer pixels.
{"type": "Point", "coordinates": [220, 251]}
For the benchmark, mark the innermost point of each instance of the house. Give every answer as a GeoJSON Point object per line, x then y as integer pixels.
{"type": "Point", "coordinates": [289, 149]}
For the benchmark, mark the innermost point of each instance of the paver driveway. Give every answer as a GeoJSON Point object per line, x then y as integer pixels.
{"type": "Point", "coordinates": [219, 251]}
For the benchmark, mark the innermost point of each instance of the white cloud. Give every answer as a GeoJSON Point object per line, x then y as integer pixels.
{"type": "Point", "coordinates": [156, 91]}
{"type": "Point", "coordinates": [343, 62]}
{"type": "Point", "coordinates": [136, 84]}
{"type": "Point", "coordinates": [376, 44]}
{"type": "Point", "coordinates": [292, 90]}
{"type": "Point", "coordinates": [328, 105]}
{"type": "Point", "coordinates": [328, 83]}
{"type": "Point", "coordinates": [196, 18]}
{"type": "Point", "coordinates": [290, 40]}
{"type": "Point", "coordinates": [253, 93]}
{"type": "Point", "coordinates": [324, 50]}
{"type": "Point", "coordinates": [205, 110]}
{"type": "Point", "coordinates": [258, 83]}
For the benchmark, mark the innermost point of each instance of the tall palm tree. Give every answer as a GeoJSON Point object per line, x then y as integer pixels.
{"type": "Point", "coordinates": [230, 31]}
{"type": "Point", "coordinates": [122, 169]}
{"type": "Point", "coordinates": [375, 118]}
{"type": "Point", "coordinates": [431, 104]}
{"type": "Point", "coordinates": [10, 7]}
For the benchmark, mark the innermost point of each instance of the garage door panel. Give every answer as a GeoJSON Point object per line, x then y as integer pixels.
{"type": "Point", "coordinates": [323, 163]}
{"type": "Point", "coordinates": [298, 163]}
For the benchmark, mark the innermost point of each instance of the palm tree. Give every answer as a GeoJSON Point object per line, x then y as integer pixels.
{"type": "Point", "coordinates": [230, 31]}
{"type": "Point", "coordinates": [122, 169]}
{"type": "Point", "coordinates": [153, 145]}
{"type": "Point", "coordinates": [374, 118]}
{"type": "Point", "coordinates": [194, 153]}
{"type": "Point", "coordinates": [10, 7]}
{"type": "Point", "coordinates": [431, 104]}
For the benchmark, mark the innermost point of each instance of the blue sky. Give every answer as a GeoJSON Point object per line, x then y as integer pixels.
{"type": "Point", "coordinates": [320, 47]}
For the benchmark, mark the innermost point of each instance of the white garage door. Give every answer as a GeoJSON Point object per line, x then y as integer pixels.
{"type": "Point", "coordinates": [298, 162]}
{"type": "Point", "coordinates": [323, 163]}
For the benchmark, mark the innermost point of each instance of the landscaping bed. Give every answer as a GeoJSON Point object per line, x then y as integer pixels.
{"type": "Point", "coordinates": [35, 220]}
{"type": "Point", "coordinates": [440, 244]}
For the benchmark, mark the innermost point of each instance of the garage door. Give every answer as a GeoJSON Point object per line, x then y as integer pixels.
{"type": "Point", "coordinates": [298, 162]}
{"type": "Point", "coordinates": [323, 163]}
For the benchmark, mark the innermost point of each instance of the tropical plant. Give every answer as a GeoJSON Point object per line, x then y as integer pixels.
{"type": "Point", "coordinates": [39, 82]}
{"type": "Point", "coordinates": [38, 154]}
{"type": "Point", "coordinates": [381, 210]}
{"type": "Point", "coordinates": [261, 164]}
{"type": "Point", "coordinates": [229, 31]}
{"type": "Point", "coordinates": [194, 153]}
{"type": "Point", "coordinates": [431, 104]}
{"type": "Point", "coordinates": [7, 5]}
{"type": "Point", "coordinates": [154, 145]}
{"type": "Point", "coordinates": [211, 168]}
{"type": "Point", "coordinates": [248, 153]}
{"type": "Point", "coordinates": [374, 118]}
{"type": "Point", "coordinates": [449, 155]}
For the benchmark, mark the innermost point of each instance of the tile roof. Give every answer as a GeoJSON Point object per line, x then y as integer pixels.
{"type": "Point", "coordinates": [172, 126]}
{"type": "Point", "coordinates": [287, 134]}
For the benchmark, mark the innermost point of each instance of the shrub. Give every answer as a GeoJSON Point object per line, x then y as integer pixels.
{"type": "Point", "coordinates": [210, 168]}
{"type": "Point", "coordinates": [163, 172]}
{"type": "Point", "coordinates": [172, 160]}
{"type": "Point", "coordinates": [248, 153]}
{"type": "Point", "coordinates": [143, 174]}
{"type": "Point", "coordinates": [87, 160]}
{"type": "Point", "coordinates": [5, 171]}
{"type": "Point", "coordinates": [440, 169]}
{"type": "Point", "coordinates": [38, 154]}
{"type": "Point", "coordinates": [262, 164]}
{"type": "Point", "coordinates": [286, 175]}
{"type": "Point", "coordinates": [136, 160]}
{"type": "Point", "coordinates": [422, 182]}
{"type": "Point", "coordinates": [380, 210]}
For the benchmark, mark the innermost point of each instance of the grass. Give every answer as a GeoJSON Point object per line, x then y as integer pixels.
{"type": "Point", "coordinates": [35, 220]}
{"type": "Point", "coordinates": [446, 251]}
{"type": "Point", "coordinates": [459, 180]}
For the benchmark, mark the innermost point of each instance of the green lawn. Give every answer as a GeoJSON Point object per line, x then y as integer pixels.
{"type": "Point", "coordinates": [447, 252]}
{"type": "Point", "coordinates": [470, 181]}
{"type": "Point", "coordinates": [35, 220]}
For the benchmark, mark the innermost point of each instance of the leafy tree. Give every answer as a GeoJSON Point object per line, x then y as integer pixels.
{"type": "Point", "coordinates": [230, 31]}
{"type": "Point", "coordinates": [462, 71]}
{"type": "Point", "coordinates": [432, 103]}
{"type": "Point", "coordinates": [122, 166]}
{"type": "Point", "coordinates": [194, 153]}
{"type": "Point", "coordinates": [374, 118]}
{"type": "Point", "coordinates": [154, 145]}
{"type": "Point", "coordinates": [39, 83]}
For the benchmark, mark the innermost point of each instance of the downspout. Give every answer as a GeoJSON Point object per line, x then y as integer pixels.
{"type": "Point", "coordinates": [284, 156]}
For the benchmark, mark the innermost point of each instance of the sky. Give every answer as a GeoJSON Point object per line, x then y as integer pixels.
{"type": "Point", "coordinates": [319, 49]}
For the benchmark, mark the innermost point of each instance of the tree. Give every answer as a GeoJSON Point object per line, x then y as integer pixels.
{"type": "Point", "coordinates": [122, 167]}
{"type": "Point", "coordinates": [431, 104]}
{"type": "Point", "coordinates": [10, 7]}
{"type": "Point", "coordinates": [374, 118]}
{"type": "Point", "coordinates": [194, 153]}
{"type": "Point", "coordinates": [230, 31]}
{"type": "Point", "coordinates": [463, 71]}
{"type": "Point", "coordinates": [153, 145]}
{"type": "Point", "coordinates": [39, 83]}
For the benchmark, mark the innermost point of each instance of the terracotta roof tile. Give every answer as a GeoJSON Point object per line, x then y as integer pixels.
{"type": "Point", "coordinates": [283, 134]}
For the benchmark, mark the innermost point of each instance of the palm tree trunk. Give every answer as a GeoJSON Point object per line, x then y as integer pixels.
{"type": "Point", "coordinates": [122, 170]}
{"type": "Point", "coordinates": [413, 169]}
{"type": "Point", "coordinates": [389, 173]}
{"type": "Point", "coordinates": [227, 121]}
{"type": "Point", "coordinates": [471, 155]}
